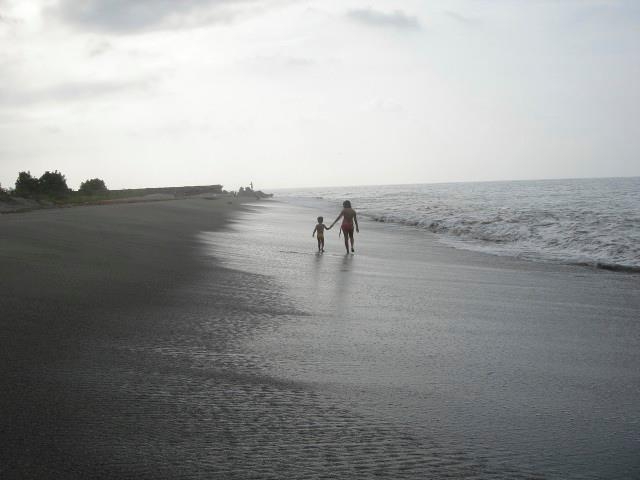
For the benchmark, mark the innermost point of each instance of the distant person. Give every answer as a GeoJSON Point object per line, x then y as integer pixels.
{"type": "Point", "coordinates": [349, 218]}
{"type": "Point", "coordinates": [319, 230]}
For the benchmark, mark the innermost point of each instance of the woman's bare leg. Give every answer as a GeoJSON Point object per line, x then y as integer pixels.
{"type": "Point", "coordinates": [351, 238]}
{"type": "Point", "coordinates": [346, 240]}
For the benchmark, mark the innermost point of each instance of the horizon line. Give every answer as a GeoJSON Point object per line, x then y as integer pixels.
{"type": "Point", "coordinates": [445, 182]}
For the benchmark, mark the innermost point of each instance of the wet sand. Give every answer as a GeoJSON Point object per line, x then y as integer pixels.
{"type": "Point", "coordinates": [450, 363]}
{"type": "Point", "coordinates": [164, 341]}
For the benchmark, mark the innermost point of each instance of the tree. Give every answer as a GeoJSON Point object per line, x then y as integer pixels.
{"type": "Point", "coordinates": [53, 184]}
{"type": "Point", "coordinates": [26, 185]}
{"type": "Point", "coordinates": [93, 186]}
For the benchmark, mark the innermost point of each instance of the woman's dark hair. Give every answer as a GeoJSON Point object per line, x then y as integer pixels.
{"type": "Point", "coordinates": [346, 204]}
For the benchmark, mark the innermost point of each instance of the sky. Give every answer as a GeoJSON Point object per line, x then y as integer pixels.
{"type": "Point", "coordinates": [308, 93]}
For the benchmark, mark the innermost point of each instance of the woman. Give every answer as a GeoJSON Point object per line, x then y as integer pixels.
{"type": "Point", "coordinates": [349, 218]}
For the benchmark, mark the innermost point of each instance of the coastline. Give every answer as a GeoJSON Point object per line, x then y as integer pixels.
{"type": "Point", "coordinates": [81, 290]}
{"type": "Point", "coordinates": [581, 222]}
{"type": "Point", "coordinates": [493, 367]}
{"type": "Point", "coordinates": [197, 339]}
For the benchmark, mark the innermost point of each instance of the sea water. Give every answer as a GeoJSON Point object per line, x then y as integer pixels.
{"type": "Point", "coordinates": [580, 221]}
{"type": "Point", "coordinates": [414, 360]}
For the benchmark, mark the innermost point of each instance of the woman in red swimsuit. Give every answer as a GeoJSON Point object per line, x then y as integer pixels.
{"type": "Point", "coordinates": [349, 218]}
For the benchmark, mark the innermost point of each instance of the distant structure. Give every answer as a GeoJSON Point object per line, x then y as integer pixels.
{"type": "Point", "coordinates": [250, 192]}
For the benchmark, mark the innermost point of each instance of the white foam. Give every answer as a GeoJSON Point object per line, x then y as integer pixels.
{"type": "Point", "coordinates": [595, 221]}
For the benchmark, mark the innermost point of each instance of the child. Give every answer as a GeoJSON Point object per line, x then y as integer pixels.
{"type": "Point", "coordinates": [320, 228]}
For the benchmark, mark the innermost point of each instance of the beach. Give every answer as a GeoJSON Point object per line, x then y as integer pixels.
{"type": "Point", "coordinates": [198, 339]}
{"type": "Point", "coordinates": [83, 290]}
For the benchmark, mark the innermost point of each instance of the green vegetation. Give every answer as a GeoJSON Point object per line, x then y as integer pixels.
{"type": "Point", "coordinates": [51, 189]}
{"type": "Point", "coordinates": [51, 185]}
{"type": "Point", "coordinates": [106, 196]}
{"type": "Point", "coordinates": [26, 185]}
{"type": "Point", "coordinates": [93, 187]}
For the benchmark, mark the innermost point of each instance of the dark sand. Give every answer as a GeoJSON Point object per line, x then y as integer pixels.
{"type": "Point", "coordinates": [133, 346]}
{"type": "Point", "coordinates": [80, 290]}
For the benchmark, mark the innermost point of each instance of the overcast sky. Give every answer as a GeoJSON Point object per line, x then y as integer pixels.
{"type": "Point", "coordinates": [318, 92]}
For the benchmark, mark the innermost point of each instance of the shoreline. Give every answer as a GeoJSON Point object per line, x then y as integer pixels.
{"type": "Point", "coordinates": [85, 292]}
{"type": "Point", "coordinates": [455, 348]}
{"type": "Point", "coordinates": [590, 222]}
{"type": "Point", "coordinates": [207, 340]}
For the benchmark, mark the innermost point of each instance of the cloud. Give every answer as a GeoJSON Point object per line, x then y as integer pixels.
{"type": "Point", "coordinates": [8, 21]}
{"type": "Point", "coordinates": [128, 16]}
{"type": "Point", "coordinates": [72, 91]}
{"type": "Point", "coordinates": [278, 62]}
{"type": "Point", "coordinates": [463, 19]}
{"type": "Point", "coordinates": [383, 105]}
{"type": "Point", "coordinates": [299, 62]}
{"type": "Point", "coordinates": [13, 118]}
{"type": "Point", "coordinates": [97, 48]}
{"type": "Point", "coordinates": [396, 19]}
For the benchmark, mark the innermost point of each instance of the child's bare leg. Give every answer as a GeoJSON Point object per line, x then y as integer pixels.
{"type": "Point", "coordinates": [322, 249]}
{"type": "Point", "coordinates": [351, 238]}
{"type": "Point", "coordinates": [346, 240]}
{"type": "Point", "coordinates": [319, 244]}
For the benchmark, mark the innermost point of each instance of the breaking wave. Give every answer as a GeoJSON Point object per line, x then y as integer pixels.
{"type": "Point", "coordinates": [592, 222]}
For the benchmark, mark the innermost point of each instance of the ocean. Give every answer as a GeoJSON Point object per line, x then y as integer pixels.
{"type": "Point", "coordinates": [580, 221]}
{"type": "Point", "coordinates": [411, 359]}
